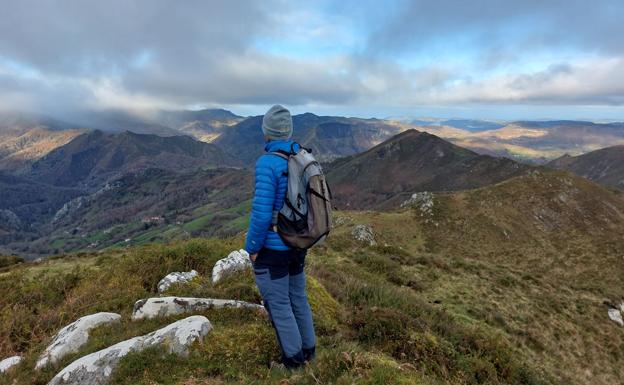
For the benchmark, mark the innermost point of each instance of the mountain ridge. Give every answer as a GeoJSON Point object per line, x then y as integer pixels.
{"type": "Point", "coordinates": [411, 162]}
{"type": "Point", "coordinates": [604, 166]}
{"type": "Point", "coordinates": [95, 157]}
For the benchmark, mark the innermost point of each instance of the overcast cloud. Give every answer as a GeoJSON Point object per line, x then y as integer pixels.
{"type": "Point", "coordinates": [64, 55]}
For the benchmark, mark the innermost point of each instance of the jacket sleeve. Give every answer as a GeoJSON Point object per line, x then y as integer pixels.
{"type": "Point", "coordinates": [262, 206]}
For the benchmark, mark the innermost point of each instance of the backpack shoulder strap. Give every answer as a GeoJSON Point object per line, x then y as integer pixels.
{"type": "Point", "coordinates": [281, 154]}
{"type": "Point", "coordinates": [286, 156]}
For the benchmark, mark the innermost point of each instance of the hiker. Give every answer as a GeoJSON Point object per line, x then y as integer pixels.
{"type": "Point", "coordinates": [278, 267]}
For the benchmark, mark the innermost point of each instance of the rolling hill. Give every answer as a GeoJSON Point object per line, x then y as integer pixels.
{"type": "Point", "coordinates": [412, 161]}
{"type": "Point", "coordinates": [604, 166]}
{"type": "Point", "coordinates": [94, 158]}
{"type": "Point", "coordinates": [534, 141]}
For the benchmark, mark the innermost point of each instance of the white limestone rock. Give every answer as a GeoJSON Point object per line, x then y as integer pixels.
{"type": "Point", "coordinates": [364, 233]}
{"type": "Point", "coordinates": [168, 306]}
{"type": "Point", "coordinates": [73, 336]}
{"type": "Point", "coordinates": [97, 368]}
{"type": "Point", "coordinates": [236, 261]}
{"type": "Point", "coordinates": [616, 316]}
{"type": "Point", "coordinates": [8, 363]}
{"type": "Point", "coordinates": [175, 277]}
{"type": "Point", "coordinates": [421, 200]}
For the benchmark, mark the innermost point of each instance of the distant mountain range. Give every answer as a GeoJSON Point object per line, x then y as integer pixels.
{"type": "Point", "coordinates": [534, 142]}
{"type": "Point", "coordinates": [604, 166]}
{"type": "Point", "coordinates": [24, 139]}
{"type": "Point", "coordinates": [329, 137]}
{"type": "Point", "coordinates": [101, 189]}
{"type": "Point", "coordinates": [132, 172]}
{"type": "Point", "coordinates": [94, 158]}
{"type": "Point", "coordinates": [68, 186]}
{"type": "Point", "coordinates": [410, 162]}
{"type": "Point", "coordinates": [471, 125]}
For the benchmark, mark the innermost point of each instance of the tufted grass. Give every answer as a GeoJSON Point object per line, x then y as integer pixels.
{"type": "Point", "coordinates": [444, 301]}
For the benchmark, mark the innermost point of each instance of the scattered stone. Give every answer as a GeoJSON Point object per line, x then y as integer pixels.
{"type": "Point", "coordinates": [616, 316]}
{"type": "Point", "coordinates": [364, 233]}
{"type": "Point", "coordinates": [97, 368]}
{"type": "Point", "coordinates": [175, 277]}
{"type": "Point", "coordinates": [168, 306]}
{"type": "Point", "coordinates": [423, 201]}
{"type": "Point", "coordinates": [73, 336]}
{"type": "Point", "coordinates": [236, 261]}
{"type": "Point", "coordinates": [8, 363]}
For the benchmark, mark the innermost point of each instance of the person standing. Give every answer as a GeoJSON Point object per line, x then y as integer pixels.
{"type": "Point", "coordinates": [278, 268]}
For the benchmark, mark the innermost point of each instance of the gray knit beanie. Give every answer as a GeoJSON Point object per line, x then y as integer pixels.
{"type": "Point", "coordinates": [277, 123]}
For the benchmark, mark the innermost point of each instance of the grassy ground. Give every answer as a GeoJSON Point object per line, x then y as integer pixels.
{"type": "Point", "coordinates": [442, 298]}
{"type": "Point", "coordinates": [372, 328]}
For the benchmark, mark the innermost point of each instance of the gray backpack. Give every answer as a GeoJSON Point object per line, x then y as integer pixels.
{"type": "Point", "coordinates": [305, 218]}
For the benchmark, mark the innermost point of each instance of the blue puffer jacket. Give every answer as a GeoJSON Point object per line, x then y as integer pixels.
{"type": "Point", "coordinates": [271, 186]}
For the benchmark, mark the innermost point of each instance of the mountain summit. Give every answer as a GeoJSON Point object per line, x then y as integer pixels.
{"type": "Point", "coordinates": [410, 162]}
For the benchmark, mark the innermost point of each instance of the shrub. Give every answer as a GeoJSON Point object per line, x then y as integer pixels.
{"type": "Point", "coordinates": [9, 260]}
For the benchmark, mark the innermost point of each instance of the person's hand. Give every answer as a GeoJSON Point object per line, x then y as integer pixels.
{"type": "Point", "coordinates": [253, 257]}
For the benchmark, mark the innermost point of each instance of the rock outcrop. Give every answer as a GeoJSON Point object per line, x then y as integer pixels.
{"type": "Point", "coordinates": [9, 220]}
{"type": "Point", "coordinates": [236, 261]}
{"type": "Point", "coordinates": [8, 363]}
{"type": "Point", "coordinates": [175, 277]}
{"type": "Point", "coordinates": [421, 200]}
{"type": "Point", "coordinates": [364, 233]}
{"type": "Point", "coordinates": [73, 336]}
{"type": "Point", "coordinates": [97, 368]}
{"type": "Point", "coordinates": [69, 208]}
{"type": "Point", "coordinates": [168, 306]}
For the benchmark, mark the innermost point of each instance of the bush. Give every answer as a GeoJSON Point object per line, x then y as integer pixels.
{"type": "Point", "coordinates": [380, 326]}
{"type": "Point", "coordinates": [10, 260]}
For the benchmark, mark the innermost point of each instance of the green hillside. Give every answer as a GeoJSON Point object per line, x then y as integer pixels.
{"type": "Point", "coordinates": [480, 287]}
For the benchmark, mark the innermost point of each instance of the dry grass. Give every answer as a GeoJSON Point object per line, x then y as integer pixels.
{"type": "Point", "coordinates": [484, 291]}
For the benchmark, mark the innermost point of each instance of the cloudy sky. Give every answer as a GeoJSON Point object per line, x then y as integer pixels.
{"type": "Point", "coordinates": [454, 58]}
